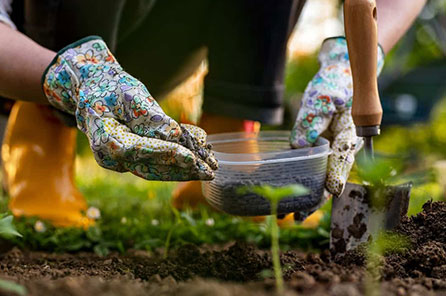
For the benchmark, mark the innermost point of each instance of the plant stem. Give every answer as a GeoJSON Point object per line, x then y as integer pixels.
{"type": "Point", "coordinates": [275, 249]}
{"type": "Point", "coordinates": [167, 243]}
{"type": "Point", "coordinates": [373, 268]}
{"type": "Point", "coordinates": [372, 286]}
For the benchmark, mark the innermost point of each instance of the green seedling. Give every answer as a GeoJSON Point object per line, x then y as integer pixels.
{"type": "Point", "coordinates": [275, 195]}
{"type": "Point", "coordinates": [378, 174]}
{"type": "Point", "coordinates": [12, 287]}
{"type": "Point", "coordinates": [7, 229]}
{"type": "Point", "coordinates": [178, 222]}
{"type": "Point", "coordinates": [385, 243]}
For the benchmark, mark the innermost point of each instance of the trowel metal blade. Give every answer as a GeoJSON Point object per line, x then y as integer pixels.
{"type": "Point", "coordinates": [352, 215]}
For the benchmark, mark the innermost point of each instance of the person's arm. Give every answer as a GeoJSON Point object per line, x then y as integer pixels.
{"type": "Point", "coordinates": [394, 19]}
{"type": "Point", "coordinates": [22, 63]}
{"type": "Point", "coordinates": [326, 103]}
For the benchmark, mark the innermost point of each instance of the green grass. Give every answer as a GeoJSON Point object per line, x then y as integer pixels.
{"type": "Point", "coordinates": [275, 195]}
{"type": "Point", "coordinates": [137, 214]}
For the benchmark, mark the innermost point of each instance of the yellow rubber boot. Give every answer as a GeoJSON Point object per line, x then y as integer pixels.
{"type": "Point", "coordinates": [189, 194]}
{"type": "Point", "coordinates": [311, 222]}
{"type": "Point", "coordinates": [38, 167]}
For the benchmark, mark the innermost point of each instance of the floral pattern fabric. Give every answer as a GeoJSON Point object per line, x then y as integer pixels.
{"type": "Point", "coordinates": [5, 9]}
{"type": "Point", "coordinates": [326, 104]}
{"type": "Point", "coordinates": [126, 128]}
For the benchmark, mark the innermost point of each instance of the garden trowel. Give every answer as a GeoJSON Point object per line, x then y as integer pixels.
{"type": "Point", "coordinates": [356, 217]}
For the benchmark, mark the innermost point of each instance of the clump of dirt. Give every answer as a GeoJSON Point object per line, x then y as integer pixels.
{"type": "Point", "coordinates": [34, 265]}
{"type": "Point", "coordinates": [192, 143]}
{"type": "Point", "coordinates": [426, 255]}
{"type": "Point", "coordinates": [427, 226]}
{"type": "Point", "coordinates": [79, 286]}
{"type": "Point", "coordinates": [420, 269]}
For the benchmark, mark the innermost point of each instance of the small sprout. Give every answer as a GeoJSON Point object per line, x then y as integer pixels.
{"type": "Point", "coordinates": [210, 222]}
{"type": "Point", "coordinates": [123, 220]}
{"type": "Point", "coordinates": [14, 288]}
{"type": "Point", "coordinates": [378, 172]}
{"type": "Point", "coordinates": [155, 222]}
{"type": "Point", "coordinates": [383, 244]}
{"type": "Point", "coordinates": [93, 213]}
{"type": "Point", "coordinates": [274, 195]}
{"type": "Point", "coordinates": [39, 226]}
{"type": "Point", "coordinates": [7, 228]}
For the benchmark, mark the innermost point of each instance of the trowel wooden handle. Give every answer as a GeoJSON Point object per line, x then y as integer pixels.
{"type": "Point", "coordinates": [362, 40]}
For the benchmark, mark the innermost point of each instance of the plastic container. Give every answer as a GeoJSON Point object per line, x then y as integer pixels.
{"type": "Point", "coordinates": [265, 158]}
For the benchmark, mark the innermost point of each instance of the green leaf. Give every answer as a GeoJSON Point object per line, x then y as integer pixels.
{"type": "Point", "coordinates": [7, 229]}
{"type": "Point", "coordinates": [188, 218]}
{"type": "Point", "coordinates": [77, 245]}
{"type": "Point", "coordinates": [10, 286]}
{"type": "Point", "coordinates": [378, 172]}
{"type": "Point", "coordinates": [101, 249]}
{"type": "Point", "coordinates": [94, 233]}
{"type": "Point", "coordinates": [322, 232]}
{"type": "Point", "coordinates": [304, 233]}
{"type": "Point", "coordinates": [266, 273]}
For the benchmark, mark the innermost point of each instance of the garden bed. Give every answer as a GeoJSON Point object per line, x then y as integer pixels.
{"type": "Point", "coordinates": [238, 269]}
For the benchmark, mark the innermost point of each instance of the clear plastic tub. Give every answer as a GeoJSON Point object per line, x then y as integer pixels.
{"type": "Point", "coordinates": [265, 158]}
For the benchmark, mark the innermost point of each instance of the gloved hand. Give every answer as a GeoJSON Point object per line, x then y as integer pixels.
{"type": "Point", "coordinates": [326, 104]}
{"type": "Point", "coordinates": [126, 128]}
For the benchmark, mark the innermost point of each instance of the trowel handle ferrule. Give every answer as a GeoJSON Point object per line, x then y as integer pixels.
{"type": "Point", "coordinates": [368, 131]}
{"type": "Point", "coordinates": [362, 41]}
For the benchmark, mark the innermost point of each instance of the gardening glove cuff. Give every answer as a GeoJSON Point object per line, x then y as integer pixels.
{"type": "Point", "coordinates": [126, 128]}
{"type": "Point", "coordinates": [326, 105]}
{"type": "Point", "coordinates": [334, 50]}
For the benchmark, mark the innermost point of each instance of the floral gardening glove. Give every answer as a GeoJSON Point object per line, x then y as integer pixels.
{"type": "Point", "coordinates": [126, 128]}
{"type": "Point", "coordinates": [326, 104]}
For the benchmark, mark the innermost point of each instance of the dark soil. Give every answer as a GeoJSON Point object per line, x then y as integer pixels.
{"type": "Point", "coordinates": [236, 269]}
{"type": "Point", "coordinates": [204, 152]}
{"type": "Point", "coordinates": [239, 200]}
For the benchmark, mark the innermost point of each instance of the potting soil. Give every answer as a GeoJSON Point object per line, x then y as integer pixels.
{"type": "Point", "coordinates": [239, 269]}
